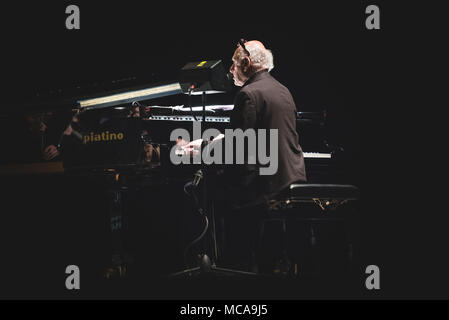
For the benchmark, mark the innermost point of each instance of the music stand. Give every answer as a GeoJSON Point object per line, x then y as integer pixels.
{"type": "Point", "coordinates": [206, 77]}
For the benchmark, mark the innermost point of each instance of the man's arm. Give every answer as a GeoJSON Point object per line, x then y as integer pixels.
{"type": "Point", "coordinates": [52, 149]}
{"type": "Point", "coordinates": [244, 115]}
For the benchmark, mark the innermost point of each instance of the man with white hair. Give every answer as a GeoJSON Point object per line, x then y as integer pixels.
{"type": "Point", "coordinates": [262, 103]}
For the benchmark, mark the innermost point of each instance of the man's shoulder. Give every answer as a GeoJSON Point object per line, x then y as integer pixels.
{"type": "Point", "coordinates": [263, 86]}
{"type": "Point", "coordinates": [266, 81]}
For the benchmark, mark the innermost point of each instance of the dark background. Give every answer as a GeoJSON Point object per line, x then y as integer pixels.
{"type": "Point", "coordinates": [322, 53]}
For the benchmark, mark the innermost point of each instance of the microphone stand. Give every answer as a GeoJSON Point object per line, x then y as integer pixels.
{"type": "Point", "coordinates": [206, 265]}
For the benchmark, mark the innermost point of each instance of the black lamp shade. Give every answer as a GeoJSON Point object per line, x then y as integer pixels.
{"type": "Point", "coordinates": [205, 76]}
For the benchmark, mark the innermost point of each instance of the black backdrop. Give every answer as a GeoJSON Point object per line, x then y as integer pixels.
{"type": "Point", "coordinates": [322, 53]}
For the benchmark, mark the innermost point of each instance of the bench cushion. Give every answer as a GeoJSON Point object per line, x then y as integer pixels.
{"type": "Point", "coordinates": [323, 191]}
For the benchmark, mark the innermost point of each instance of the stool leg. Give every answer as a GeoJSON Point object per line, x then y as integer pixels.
{"type": "Point", "coordinates": [222, 241]}
{"type": "Point", "coordinates": [285, 255]}
{"type": "Point", "coordinates": [284, 236]}
{"type": "Point", "coordinates": [315, 249]}
{"type": "Point", "coordinates": [351, 227]}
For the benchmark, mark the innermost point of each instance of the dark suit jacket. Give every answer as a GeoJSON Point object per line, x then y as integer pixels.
{"type": "Point", "coordinates": [264, 103]}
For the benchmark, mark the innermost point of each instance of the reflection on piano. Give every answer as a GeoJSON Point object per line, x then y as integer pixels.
{"type": "Point", "coordinates": [39, 168]}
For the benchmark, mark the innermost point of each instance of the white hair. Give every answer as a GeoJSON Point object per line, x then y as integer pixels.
{"type": "Point", "coordinates": [269, 64]}
{"type": "Point", "coordinates": [260, 58]}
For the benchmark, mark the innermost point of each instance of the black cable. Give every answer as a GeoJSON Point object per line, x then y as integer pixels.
{"type": "Point", "coordinates": [201, 236]}
{"type": "Point", "coordinates": [189, 190]}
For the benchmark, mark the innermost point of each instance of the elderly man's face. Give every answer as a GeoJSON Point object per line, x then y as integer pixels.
{"type": "Point", "coordinates": [238, 71]}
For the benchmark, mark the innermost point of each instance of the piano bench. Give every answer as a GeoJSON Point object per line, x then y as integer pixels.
{"type": "Point", "coordinates": [304, 191]}
{"type": "Point", "coordinates": [299, 214]}
{"type": "Point", "coordinates": [326, 196]}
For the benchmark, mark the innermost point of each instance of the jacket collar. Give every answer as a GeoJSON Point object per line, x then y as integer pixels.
{"type": "Point", "coordinates": [259, 75]}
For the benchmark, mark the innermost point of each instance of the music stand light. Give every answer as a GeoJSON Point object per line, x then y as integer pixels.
{"type": "Point", "coordinates": [204, 77]}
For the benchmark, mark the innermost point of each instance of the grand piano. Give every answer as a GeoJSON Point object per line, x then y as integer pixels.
{"type": "Point", "coordinates": [123, 141]}
{"type": "Point", "coordinates": [150, 122]}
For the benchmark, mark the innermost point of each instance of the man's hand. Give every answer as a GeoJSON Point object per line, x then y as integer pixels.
{"type": "Point", "coordinates": [181, 143]}
{"type": "Point", "coordinates": [50, 152]}
{"type": "Point", "coordinates": [219, 137]}
{"type": "Point", "coordinates": [193, 147]}
{"type": "Point", "coordinates": [195, 144]}
{"type": "Point", "coordinates": [189, 148]}
{"type": "Point", "coordinates": [42, 127]}
{"type": "Point", "coordinates": [68, 131]}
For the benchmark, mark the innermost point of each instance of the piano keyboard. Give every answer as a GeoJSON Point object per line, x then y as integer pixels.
{"type": "Point", "coordinates": [189, 118]}
{"type": "Point", "coordinates": [307, 155]}
{"type": "Point", "coordinates": [317, 155]}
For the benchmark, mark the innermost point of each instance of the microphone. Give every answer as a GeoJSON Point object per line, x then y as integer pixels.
{"type": "Point", "coordinates": [136, 104]}
{"type": "Point", "coordinates": [197, 178]}
{"type": "Point", "coordinates": [230, 76]}
{"type": "Point", "coordinates": [144, 110]}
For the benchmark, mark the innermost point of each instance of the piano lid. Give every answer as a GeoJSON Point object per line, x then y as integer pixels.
{"type": "Point", "coordinates": [130, 96]}
{"type": "Point", "coordinates": [196, 77]}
